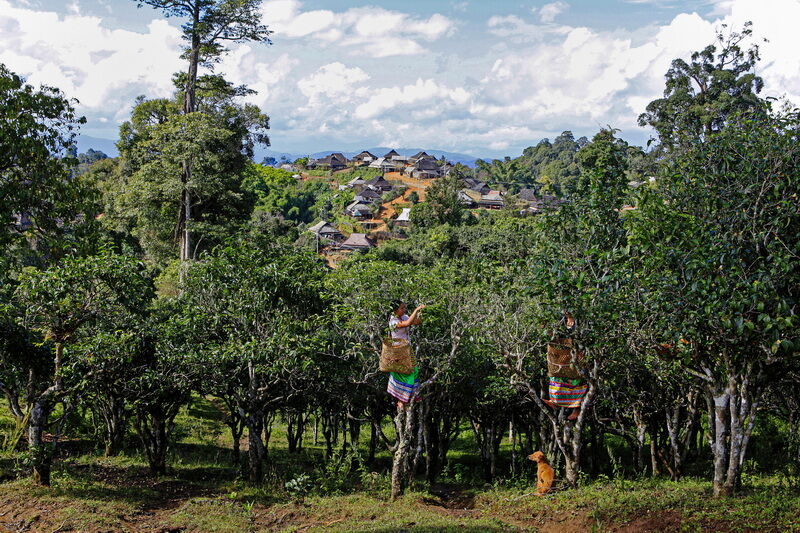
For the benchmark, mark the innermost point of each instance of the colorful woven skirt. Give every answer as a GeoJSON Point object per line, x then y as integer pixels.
{"type": "Point", "coordinates": [403, 386]}
{"type": "Point", "coordinates": [567, 392]}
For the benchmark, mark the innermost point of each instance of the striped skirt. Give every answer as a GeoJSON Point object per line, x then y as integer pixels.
{"type": "Point", "coordinates": [403, 386]}
{"type": "Point", "coordinates": [567, 392]}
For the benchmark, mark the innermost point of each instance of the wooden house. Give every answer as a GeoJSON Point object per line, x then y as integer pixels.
{"type": "Point", "coordinates": [359, 210]}
{"type": "Point", "coordinates": [469, 198]}
{"type": "Point", "coordinates": [492, 200]}
{"type": "Point", "coordinates": [476, 185]}
{"type": "Point", "coordinates": [356, 183]}
{"type": "Point", "coordinates": [528, 195]}
{"type": "Point", "coordinates": [336, 161]}
{"type": "Point", "coordinates": [364, 158]}
{"type": "Point", "coordinates": [357, 241]}
{"type": "Point", "coordinates": [379, 184]}
{"type": "Point", "coordinates": [368, 196]}
{"type": "Point", "coordinates": [426, 168]}
{"type": "Point", "coordinates": [326, 230]}
{"type": "Point", "coordinates": [386, 165]}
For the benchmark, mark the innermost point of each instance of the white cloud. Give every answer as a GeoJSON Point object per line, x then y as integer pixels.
{"type": "Point", "coordinates": [779, 67]}
{"type": "Point", "coordinates": [584, 76]}
{"type": "Point", "coordinates": [270, 79]}
{"type": "Point", "coordinates": [371, 31]}
{"type": "Point", "coordinates": [426, 92]}
{"type": "Point", "coordinates": [516, 29]}
{"type": "Point", "coordinates": [88, 61]}
{"type": "Point", "coordinates": [510, 25]}
{"type": "Point", "coordinates": [332, 80]}
{"type": "Point", "coordinates": [549, 12]}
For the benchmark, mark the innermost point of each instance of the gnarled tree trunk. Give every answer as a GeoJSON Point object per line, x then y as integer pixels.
{"type": "Point", "coordinates": [115, 415]}
{"type": "Point", "coordinates": [732, 415]}
{"type": "Point", "coordinates": [41, 454]}
{"type": "Point", "coordinates": [404, 428]}
{"type": "Point", "coordinates": [155, 427]}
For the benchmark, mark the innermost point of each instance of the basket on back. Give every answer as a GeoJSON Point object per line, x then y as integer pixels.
{"type": "Point", "coordinates": [559, 359]}
{"type": "Point", "coordinates": [396, 356]}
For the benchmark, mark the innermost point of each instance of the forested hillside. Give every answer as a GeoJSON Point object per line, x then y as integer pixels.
{"type": "Point", "coordinates": [170, 337]}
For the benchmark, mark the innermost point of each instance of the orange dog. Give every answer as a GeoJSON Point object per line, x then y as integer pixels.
{"type": "Point", "coordinates": [545, 473]}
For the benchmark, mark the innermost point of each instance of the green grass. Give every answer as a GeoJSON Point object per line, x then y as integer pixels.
{"type": "Point", "coordinates": [205, 491]}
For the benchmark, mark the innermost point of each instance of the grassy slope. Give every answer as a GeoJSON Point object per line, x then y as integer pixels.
{"type": "Point", "coordinates": [204, 493]}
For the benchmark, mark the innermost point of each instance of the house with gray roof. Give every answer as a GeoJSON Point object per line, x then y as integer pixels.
{"type": "Point", "coordinates": [379, 184]}
{"type": "Point", "coordinates": [335, 161]}
{"type": "Point", "coordinates": [355, 183]}
{"type": "Point", "coordinates": [359, 210]}
{"type": "Point", "coordinates": [326, 230]}
{"type": "Point", "coordinates": [476, 185]}
{"type": "Point", "coordinates": [368, 196]}
{"type": "Point", "coordinates": [386, 165]}
{"type": "Point", "coordinates": [426, 168]}
{"type": "Point", "coordinates": [492, 200]}
{"type": "Point", "coordinates": [364, 158]}
{"type": "Point", "coordinates": [357, 241]}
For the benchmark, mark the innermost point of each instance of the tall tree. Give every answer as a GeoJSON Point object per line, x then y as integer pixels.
{"type": "Point", "coordinates": [717, 248]}
{"type": "Point", "coordinates": [211, 25]}
{"type": "Point", "coordinates": [701, 94]}
{"type": "Point", "coordinates": [144, 194]}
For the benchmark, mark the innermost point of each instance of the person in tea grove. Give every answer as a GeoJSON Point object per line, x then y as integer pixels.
{"type": "Point", "coordinates": [566, 392]}
{"type": "Point", "coordinates": [403, 386]}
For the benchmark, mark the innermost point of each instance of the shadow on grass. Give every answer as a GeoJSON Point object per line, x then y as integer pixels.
{"type": "Point", "coordinates": [134, 484]}
{"type": "Point", "coordinates": [205, 409]}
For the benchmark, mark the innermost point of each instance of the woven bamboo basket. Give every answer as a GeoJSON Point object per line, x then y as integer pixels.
{"type": "Point", "coordinates": [396, 356]}
{"type": "Point", "coordinates": [559, 359]}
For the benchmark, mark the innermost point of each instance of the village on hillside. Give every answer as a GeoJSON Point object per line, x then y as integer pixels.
{"type": "Point", "coordinates": [385, 190]}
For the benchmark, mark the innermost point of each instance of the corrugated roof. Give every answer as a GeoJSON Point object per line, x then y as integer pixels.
{"type": "Point", "coordinates": [405, 216]}
{"type": "Point", "coordinates": [318, 226]}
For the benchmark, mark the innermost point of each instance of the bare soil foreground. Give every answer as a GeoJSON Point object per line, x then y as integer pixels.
{"type": "Point", "coordinates": [93, 495]}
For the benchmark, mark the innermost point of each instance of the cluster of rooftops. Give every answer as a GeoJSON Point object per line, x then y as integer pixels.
{"type": "Point", "coordinates": [478, 194]}
{"type": "Point", "coordinates": [417, 166]}
{"type": "Point", "coordinates": [369, 193]}
{"type": "Point", "coordinates": [368, 199]}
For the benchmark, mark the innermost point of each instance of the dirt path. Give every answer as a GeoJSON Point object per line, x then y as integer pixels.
{"type": "Point", "coordinates": [390, 209]}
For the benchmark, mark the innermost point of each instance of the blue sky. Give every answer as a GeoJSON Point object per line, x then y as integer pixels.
{"type": "Point", "coordinates": [487, 78]}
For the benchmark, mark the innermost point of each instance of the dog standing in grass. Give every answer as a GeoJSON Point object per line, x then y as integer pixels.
{"type": "Point", "coordinates": [544, 474]}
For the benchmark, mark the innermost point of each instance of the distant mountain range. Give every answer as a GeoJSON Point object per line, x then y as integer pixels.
{"type": "Point", "coordinates": [108, 147]}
